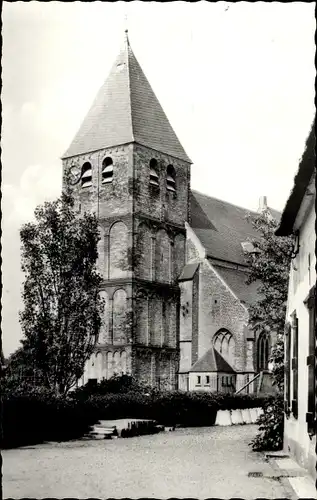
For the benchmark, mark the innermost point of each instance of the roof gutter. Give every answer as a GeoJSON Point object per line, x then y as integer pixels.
{"type": "Point", "coordinates": [301, 183]}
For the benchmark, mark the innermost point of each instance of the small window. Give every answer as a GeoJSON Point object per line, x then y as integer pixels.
{"type": "Point", "coordinates": [170, 179]}
{"type": "Point", "coordinates": [92, 382]}
{"type": "Point", "coordinates": [154, 178]}
{"type": "Point", "coordinates": [107, 170]}
{"type": "Point", "coordinates": [198, 380]}
{"type": "Point", "coordinates": [86, 175]}
{"type": "Point", "coordinates": [207, 379]}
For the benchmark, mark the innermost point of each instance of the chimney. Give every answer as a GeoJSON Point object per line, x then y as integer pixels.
{"type": "Point", "coordinates": [262, 204]}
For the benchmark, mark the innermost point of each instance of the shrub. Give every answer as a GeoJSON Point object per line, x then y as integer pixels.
{"type": "Point", "coordinates": [271, 426]}
{"type": "Point", "coordinates": [115, 385]}
{"type": "Point", "coordinates": [167, 408]}
{"type": "Point", "coordinates": [39, 416]}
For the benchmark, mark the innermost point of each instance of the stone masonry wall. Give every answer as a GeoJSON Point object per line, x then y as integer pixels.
{"type": "Point", "coordinates": [142, 239]}
{"type": "Point", "coordinates": [226, 313]}
{"type": "Point", "coordinates": [160, 203]}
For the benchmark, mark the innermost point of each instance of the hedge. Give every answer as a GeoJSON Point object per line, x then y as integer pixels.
{"type": "Point", "coordinates": [32, 418]}
{"type": "Point", "coordinates": [169, 408]}
{"type": "Point", "coordinates": [36, 416]}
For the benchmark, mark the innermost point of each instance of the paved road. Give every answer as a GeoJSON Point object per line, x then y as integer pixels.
{"type": "Point", "coordinates": [199, 463]}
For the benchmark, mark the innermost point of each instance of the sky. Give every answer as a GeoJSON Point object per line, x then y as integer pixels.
{"type": "Point", "coordinates": [236, 81]}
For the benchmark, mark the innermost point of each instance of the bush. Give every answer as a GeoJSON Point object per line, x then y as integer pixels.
{"type": "Point", "coordinates": [167, 408]}
{"type": "Point", "coordinates": [39, 416]}
{"type": "Point", "coordinates": [271, 426]}
{"type": "Point", "coordinates": [115, 385]}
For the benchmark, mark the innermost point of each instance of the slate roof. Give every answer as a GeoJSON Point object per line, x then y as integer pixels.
{"type": "Point", "coordinates": [236, 280]}
{"type": "Point", "coordinates": [221, 227]}
{"type": "Point", "coordinates": [188, 272]}
{"type": "Point", "coordinates": [126, 110]}
{"type": "Point", "coordinates": [212, 361]}
{"type": "Point", "coordinates": [306, 169]}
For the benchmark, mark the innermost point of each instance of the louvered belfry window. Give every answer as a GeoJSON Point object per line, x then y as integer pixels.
{"type": "Point", "coordinates": [107, 170]}
{"type": "Point", "coordinates": [295, 365]}
{"type": "Point", "coordinates": [170, 179]}
{"type": "Point", "coordinates": [86, 175]}
{"type": "Point", "coordinates": [287, 402]}
{"type": "Point", "coordinates": [310, 303]}
{"type": "Point", "coordinates": [154, 178]}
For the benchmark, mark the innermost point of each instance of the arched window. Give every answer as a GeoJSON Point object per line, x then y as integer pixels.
{"type": "Point", "coordinates": [86, 175]}
{"type": "Point", "coordinates": [142, 318]}
{"type": "Point", "coordinates": [225, 345]}
{"type": "Point", "coordinates": [263, 351]}
{"type": "Point", "coordinates": [154, 178]}
{"type": "Point", "coordinates": [107, 170]}
{"type": "Point", "coordinates": [170, 179]}
{"type": "Point", "coordinates": [162, 256]}
{"type": "Point", "coordinates": [118, 256]}
{"type": "Point", "coordinates": [120, 325]}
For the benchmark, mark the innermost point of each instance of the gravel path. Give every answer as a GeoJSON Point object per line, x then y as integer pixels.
{"type": "Point", "coordinates": [198, 462]}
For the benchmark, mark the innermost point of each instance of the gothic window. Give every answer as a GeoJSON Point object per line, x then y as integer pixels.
{"type": "Point", "coordinates": [107, 170]}
{"type": "Point", "coordinates": [86, 175]}
{"type": "Point", "coordinates": [225, 345]}
{"type": "Point", "coordinates": [263, 351]}
{"type": "Point", "coordinates": [154, 178]}
{"type": "Point", "coordinates": [170, 179]}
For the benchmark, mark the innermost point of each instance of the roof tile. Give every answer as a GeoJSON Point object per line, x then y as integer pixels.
{"type": "Point", "coordinates": [212, 361]}
{"type": "Point", "coordinates": [126, 110]}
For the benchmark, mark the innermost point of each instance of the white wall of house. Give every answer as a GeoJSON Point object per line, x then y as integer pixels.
{"type": "Point", "coordinates": [302, 278]}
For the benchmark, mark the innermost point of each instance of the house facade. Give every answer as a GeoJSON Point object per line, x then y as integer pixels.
{"type": "Point", "coordinates": [299, 219]}
{"type": "Point", "coordinates": [172, 260]}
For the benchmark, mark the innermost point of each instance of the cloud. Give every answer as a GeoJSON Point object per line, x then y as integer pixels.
{"type": "Point", "coordinates": [37, 184]}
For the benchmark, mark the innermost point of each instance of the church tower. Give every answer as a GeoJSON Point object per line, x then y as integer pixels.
{"type": "Point", "coordinates": [129, 168]}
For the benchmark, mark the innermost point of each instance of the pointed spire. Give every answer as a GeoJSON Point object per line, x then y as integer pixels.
{"type": "Point", "coordinates": [126, 32]}
{"type": "Point", "coordinates": [126, 110]}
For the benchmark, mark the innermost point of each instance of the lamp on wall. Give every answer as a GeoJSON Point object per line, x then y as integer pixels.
{"type": "Point", "coordinates": [296, 245]}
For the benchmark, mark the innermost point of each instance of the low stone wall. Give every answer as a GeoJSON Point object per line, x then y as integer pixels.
{"type": "Point", "coordinates": [238, 417]}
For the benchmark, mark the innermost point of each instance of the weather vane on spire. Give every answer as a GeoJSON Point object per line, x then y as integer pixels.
{"type": "Point", "coordinates": [126, 22]}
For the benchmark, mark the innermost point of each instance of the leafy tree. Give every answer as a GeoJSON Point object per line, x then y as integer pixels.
{"type": "Point", "coordinates": [62, 305]}
{"type": "Point", "coordinates": [269, 265]}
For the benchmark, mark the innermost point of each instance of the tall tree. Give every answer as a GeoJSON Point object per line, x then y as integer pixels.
{"type": "Point", "coordinates": [62, 306]}
{"type": "Point", "coordinates": [269, 264]}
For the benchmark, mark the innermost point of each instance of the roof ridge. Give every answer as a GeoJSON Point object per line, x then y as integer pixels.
{"type": "Point", "coordinates": [193, 191]}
